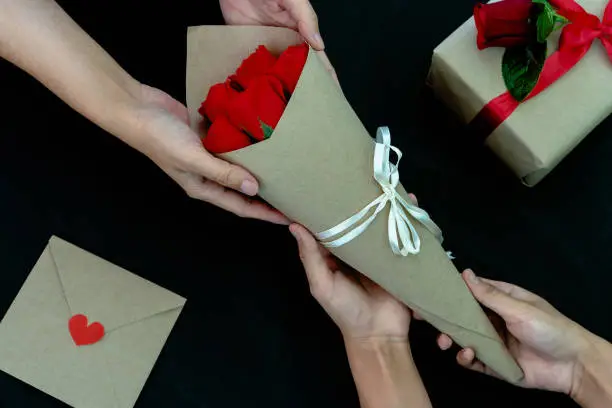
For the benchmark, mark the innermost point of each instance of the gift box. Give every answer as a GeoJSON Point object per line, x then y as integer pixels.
{"type": "Point", "coordinates": [317, 168]}
{"type": "Point", "coordinates": [571, 98]}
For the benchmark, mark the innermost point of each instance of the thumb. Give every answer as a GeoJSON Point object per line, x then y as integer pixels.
{"type": "Point", "coordinates": [320, 277]}
{"type": "Point", "coordinates": [307, 22]}
{"type": "Point", "coordinates": [490, 296]}
{"type": "Point", "coordinates": [224, 173]}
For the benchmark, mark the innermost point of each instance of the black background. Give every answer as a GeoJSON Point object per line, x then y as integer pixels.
{"type": "Point", "coordinates": [250, 334]}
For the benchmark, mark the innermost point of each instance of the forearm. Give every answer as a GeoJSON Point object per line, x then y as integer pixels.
{"type": "Point", "coordinates": [385, 375]}
{"type": "Point", "coordinates": [39, 37]}
{"type": "Point", "coordinates": [593, 387]}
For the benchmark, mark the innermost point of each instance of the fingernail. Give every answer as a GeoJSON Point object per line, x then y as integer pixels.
{"type": "Point", "coordinates": [248, 187]}
{"type": "Point", "coordinates": [471, 277]}
{"type": "Point", "coordinates": [294, 233]}
{"type": "Point", "coordinates": [316, 39]}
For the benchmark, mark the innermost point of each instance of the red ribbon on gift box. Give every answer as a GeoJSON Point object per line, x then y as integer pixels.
{"type": "Point", "coordinates": [576, 40]}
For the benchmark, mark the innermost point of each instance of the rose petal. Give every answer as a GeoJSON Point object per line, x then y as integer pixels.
{"type": "Point", "coordinates": [223, 137]}
{"type": "Point", "coordinates": [503, 24]}
{"type": "Point", "coordinates": [257, 64]}
{"type": "Point", "coordinates": [289, 66]}
{"type": "Point", "coordinates": [263, 102]}
{"type": "Point", "coordinates": [217, 101]}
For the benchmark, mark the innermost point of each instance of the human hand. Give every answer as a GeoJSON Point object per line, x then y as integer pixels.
{"type": "Point", "coordinates": [295, 14]}
{"type": "Point", "coordinates": [163, 134]}
{"type": "Point", "coordinates": [360, 308]}
{"type": "Point", "coordinates": [548, 346]}
{"type": "Point", "coordinates": [373, 323]}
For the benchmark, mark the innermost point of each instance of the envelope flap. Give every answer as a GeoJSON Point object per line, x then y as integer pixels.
{"type": "Point", "coordinates": [105, 292]}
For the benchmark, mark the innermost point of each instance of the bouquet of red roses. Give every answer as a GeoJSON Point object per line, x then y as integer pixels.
{"type": "Point", "coordinates": [282, 116]}
{"type": "Point", "coordinates": [246, 107]}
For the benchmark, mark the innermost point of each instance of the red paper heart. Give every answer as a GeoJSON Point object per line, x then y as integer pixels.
{"type": "Point", "coordinates": [84, 334]}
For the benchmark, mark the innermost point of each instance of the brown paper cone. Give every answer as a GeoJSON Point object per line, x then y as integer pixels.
{"type": "Point", "coordinates": [317, 169]}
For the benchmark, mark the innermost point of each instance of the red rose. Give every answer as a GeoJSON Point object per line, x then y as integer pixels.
{"type": "Point", "coordinates": [257, 64]}
{"type": "Point", "coordinates": [217, 101]}
{"type": "Point", "coordinates": [224, 137]}
{"type": "Point", "coordinates": [258, 109]}
{"type": "Point", "coordinates": [503, 24]}
{"type": "Point", "coordinates": [289, 66]}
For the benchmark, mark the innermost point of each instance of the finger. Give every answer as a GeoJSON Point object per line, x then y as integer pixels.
{"type": "Point", "coordinates": [444, 342]}
{"type": "Point", "coordinates": [467, 358]}
{"type": "Point", "coordinates": [490, 296]}
{"type": "Point", "coordinates": [307, 22]}
{"type": "Point", "coordinates": [328, 65]}
{"type": "Point", "coordinates": [234, 202]}
{"type": "Point", "coordinates": [416, 315]}
{"type": "Point", "coordinates": [319, 275]}
{"type": "Point", "coordinates": [515, 291]}
{"type": "Point", "coordinates": [224, 173]}
{"type": "Point", "coordinates": [414, 199]}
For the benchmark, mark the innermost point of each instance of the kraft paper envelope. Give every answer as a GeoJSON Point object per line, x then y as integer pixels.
{"type": "Point", "coordinates": [36, 346]}
{"type": "Point", "coordinates": [317, 169]}
{"type": "Point", "coordinates": [543, 130]}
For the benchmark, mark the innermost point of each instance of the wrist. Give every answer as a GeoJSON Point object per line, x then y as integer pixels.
{"type": "Point", "coordinates": [382, 357]}
{"type": "Point", "coordinates": [384, 372]}
{"type": "Point", "coordinates": [376, 343]}
{"type": "Point", "coordinates": [125, 102]}
{"type": "Point", "coordinates": [382, 347]}
{"type": "Point", "coordinates": [592, 384]}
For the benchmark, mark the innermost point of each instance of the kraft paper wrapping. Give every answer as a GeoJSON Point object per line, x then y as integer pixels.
{"type": "Point", "coordinates": [317, 169]}
{"type": "Point", "coordinates": [542, 131]}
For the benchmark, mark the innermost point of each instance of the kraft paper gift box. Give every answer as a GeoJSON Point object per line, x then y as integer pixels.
{"type": "Point", "coordinates": [543, 130]}
{"type": "Point", "coordinates": [36, 345]}
{"type": "Point", "coordinates": [317, 169]}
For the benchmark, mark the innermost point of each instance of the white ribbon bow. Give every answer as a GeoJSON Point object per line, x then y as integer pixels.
{"type": "Point", "coordinates": [387, 176]}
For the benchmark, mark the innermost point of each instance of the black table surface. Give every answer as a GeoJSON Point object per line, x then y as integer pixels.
{"type": "Point", "coordinates": [250, 334]}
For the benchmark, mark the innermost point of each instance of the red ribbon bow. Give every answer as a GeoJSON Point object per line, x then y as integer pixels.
{"type": "Point", "coordinates": [576, 40]}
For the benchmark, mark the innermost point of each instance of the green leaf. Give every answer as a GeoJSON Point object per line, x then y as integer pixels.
{"type": "Point", "coordinates": [267, 130]}
{"type": "Point", "coordinates": [548, 20]}
{"type": "Point", "coordinates": [521, 68]}
{"type": "Point", "coordinates": [546, 23]}
{"type": "Point", "coordinates": [559, 19]}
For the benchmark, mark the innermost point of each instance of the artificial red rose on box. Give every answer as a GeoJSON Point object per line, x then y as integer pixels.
{"type": "Point", "coordinates": [246, 108]}
{"type": "Point", "coordinates": [503, 24]}
{"type": "Point", "coordinates": [523, 28]}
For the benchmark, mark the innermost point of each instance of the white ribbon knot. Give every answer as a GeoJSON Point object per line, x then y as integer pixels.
{"type": "Point", "coordinates": [387, 176]}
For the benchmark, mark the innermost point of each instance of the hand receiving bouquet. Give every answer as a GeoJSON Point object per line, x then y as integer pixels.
{"type": "Point", "coordinates": [317, 164]}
